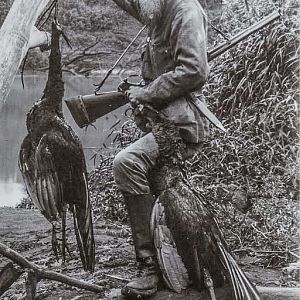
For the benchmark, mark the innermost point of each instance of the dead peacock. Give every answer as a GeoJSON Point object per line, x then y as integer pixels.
{"type": "Point", "coordinates": [53, 166]}
{"type": "Point", "coordinates": [180, 215]}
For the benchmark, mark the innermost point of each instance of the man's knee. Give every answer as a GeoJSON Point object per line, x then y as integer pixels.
{"type": "Point", "coordinates": [130, 173]}
{"type": "Point", "coordinates": [132, 165]}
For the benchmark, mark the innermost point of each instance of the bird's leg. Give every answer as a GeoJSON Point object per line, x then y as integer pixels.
{"type": "Point", "coordinates": [65, 230]}
{"type": "Point", "coordinates": [209, 284]}
{"type": "Point", "coordinates": [68, 250]}
{"type": "Point", "coordinates": [202, 273]}
{"type": "Point", "coordinates": [54, 242]}
{"type": "Point", "coordinates": [63, 234]}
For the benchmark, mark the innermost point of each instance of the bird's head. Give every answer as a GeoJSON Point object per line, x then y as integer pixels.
{"type": "Point", "coordinates": [166, 134]}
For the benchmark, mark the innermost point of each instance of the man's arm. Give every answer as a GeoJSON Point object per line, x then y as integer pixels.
{"type": "Point", "coordinates": [128, 6]}
{"type": "Point", "coordinates": [188, 39]}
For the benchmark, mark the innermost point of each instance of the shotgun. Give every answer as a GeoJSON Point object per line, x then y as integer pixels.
{"type": "Point", "coordinates": [87, 109]}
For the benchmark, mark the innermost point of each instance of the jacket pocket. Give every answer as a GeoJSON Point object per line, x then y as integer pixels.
{"type": "Point", "coordinates": [163, 60]}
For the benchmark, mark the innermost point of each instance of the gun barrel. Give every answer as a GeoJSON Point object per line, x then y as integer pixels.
{"type": "Point", "coordinates": [242, 35]}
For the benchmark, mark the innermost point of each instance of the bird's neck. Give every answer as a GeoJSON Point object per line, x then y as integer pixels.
{"type": "Point", "coordinates": [169, 174]}
{"type": "Point", "coordinates": [54, 90]}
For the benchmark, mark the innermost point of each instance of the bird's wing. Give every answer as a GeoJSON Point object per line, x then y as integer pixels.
{"type": "Point", "coordinates": [171, 265]}
{"type": "Point", "coordinates": [48, 187]}
{"type": "Point", "coordinates": [40, 185]}
{"type": "Point", "coordinates": [69, 164]}
{"type": "Point", "coordinates": [217, 250]}
{"type": "Point", "coordinates": [26, 166]}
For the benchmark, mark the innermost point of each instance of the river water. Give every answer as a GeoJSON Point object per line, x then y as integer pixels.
{"type": "Point", "coordinates": [13, 129]}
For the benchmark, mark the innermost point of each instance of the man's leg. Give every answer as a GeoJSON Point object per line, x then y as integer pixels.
{"type": "Point", "coordinates": [132, 164]}
{"type": "Point", "coordinates": [131, 167]}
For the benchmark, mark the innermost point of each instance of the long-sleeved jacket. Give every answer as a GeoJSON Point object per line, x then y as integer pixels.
{"type": "Point", "coordinates": [175, 62]}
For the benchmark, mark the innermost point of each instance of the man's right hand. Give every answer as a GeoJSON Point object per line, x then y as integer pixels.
{"type": "Point", "coordinates": [134, 94]}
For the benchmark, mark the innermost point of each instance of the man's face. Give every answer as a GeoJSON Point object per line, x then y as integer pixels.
{"type": "Point", "coordinates": [149, 10]}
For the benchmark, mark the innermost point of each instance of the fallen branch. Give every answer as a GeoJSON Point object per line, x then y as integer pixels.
{"type": "Point", "coordinates": [35, 273]}
{"type": "Point", "coordinates": [117, 278]}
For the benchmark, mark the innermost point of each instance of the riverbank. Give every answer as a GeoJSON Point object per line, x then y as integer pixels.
{"type": "Point", "coordinates": [28, 232]}
{"type": "Point", "coordinates": [13, 128]}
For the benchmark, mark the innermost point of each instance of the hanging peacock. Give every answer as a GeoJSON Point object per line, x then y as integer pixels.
{"type": "Point", "coordinates": [53, 166]}
{"type": "Point", "coordinates": [189, 243]}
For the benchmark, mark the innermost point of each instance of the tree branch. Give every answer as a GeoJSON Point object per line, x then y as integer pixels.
{"type": "Point", "coordinates": [44, 274]}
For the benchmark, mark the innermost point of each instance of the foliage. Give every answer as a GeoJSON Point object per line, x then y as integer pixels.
{"type": "Point", "coordinates": [26, 203]}
{"type": "Point", "coordinates": [4, 7]}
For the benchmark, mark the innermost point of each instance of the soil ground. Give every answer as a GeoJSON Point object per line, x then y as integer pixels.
{"type": "Point", "coordinates": [29, 233]}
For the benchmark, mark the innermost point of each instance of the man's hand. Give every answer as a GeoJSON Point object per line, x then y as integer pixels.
{"type": "Point", "coordinates": [135, 96]}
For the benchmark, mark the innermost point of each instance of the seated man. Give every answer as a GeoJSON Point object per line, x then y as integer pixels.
{"type": "Point", "coordinates": [174, 65]}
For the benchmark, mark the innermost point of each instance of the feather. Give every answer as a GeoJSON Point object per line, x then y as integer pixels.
{"type": "Point", "coordinates": [172, 267]}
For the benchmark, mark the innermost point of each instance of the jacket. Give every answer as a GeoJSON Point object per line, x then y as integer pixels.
{"type": "Point", "coordinates": [175, 64]}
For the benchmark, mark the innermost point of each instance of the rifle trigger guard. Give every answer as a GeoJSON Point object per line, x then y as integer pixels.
{"type": "Point", "coordinates": [127, 83]}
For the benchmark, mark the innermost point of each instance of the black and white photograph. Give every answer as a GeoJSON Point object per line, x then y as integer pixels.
{"type": "Point", "coordinates": [149, 149]}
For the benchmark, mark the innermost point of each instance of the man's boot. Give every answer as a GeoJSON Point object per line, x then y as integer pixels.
{"type": "Point", "coordinates": [139, 210]}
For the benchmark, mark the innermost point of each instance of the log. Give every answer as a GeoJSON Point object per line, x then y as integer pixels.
{"type": "Point", "coordinates": [267, 293]}
{"type": "Point", "coordinates": [8, 275]}
{"type": "Point", "coordinates": [14, 36]}
{"type": "Point", "coordinates": [40, 273]}
{"type": "Point", "coordinates": [278, 293]}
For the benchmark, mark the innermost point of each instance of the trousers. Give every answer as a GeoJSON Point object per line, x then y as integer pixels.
{"type": "Point", "coordinates": [132, 165]}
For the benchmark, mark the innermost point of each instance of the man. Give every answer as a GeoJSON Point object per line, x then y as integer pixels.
{"type": "Point", "coordinates": [174, 65]}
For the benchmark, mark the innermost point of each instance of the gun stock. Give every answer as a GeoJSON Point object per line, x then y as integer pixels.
{"type": "Point", "coordinates": [87, 109]}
